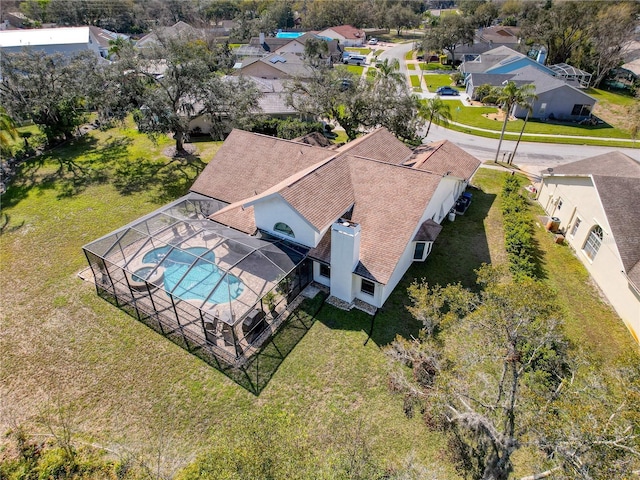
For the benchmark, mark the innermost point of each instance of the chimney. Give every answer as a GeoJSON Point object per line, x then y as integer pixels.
{"type": "Point", "coordinates": [345, 254]}
{"type": "Point", "coordinates": [261, 38]}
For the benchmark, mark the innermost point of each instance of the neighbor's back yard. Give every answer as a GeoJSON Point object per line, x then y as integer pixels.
{"type": "Point", "coordinates": [327, 410]}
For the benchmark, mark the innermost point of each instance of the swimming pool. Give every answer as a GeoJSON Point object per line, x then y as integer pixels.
{"type": "Point", "coordinates": [289, 34]}
{"type": "Point", "coordinates": [198, 282]}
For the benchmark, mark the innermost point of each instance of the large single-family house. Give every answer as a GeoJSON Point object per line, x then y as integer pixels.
{"type": "Point", "coordinates": [104, 39]}
{"type": "Point", "coordinates": [347, 35]}
{"type": "Point", "coordinates": [66, 40]}
{"type": "Point", "coordinates": [221, 266]}
{"type": "Point", "coordinates": [595, 202]}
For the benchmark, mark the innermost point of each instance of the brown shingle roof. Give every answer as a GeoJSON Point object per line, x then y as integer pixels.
{"type": "Point", "coordinates": [381, 145]}
{"type": "Point", "coordinates": [323, 195]}
{"type": "Point", "coordinates": [240, 218]}
{"type": "Point", "coordinates": [347, 31]}
{"type": "Point", "coordinates": [444, 158]}
{"type": "Point", "coordinates": [388, 199]}
{"type": "Point", "coordinates": [248, 164]}
{"type": "Point", "coordinates": [389, 203]}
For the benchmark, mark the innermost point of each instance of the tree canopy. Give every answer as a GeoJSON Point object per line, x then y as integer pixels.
{"type": "Point", "coordinates": [50, 90]}
{"type": "Point", "coordinates": [176, 80]}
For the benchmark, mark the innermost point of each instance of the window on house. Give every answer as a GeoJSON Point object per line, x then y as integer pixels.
{"type": "Point", "coordinates": [418, 253]}
{"type": "Point", "coordinates": [574, 229]}
{"type": "Point", "coordinates": [367, 287]}
{"type": "Point", "coordinates": [325, 270]}
{"type": "Point", "coordinates": [284, 229]}
{"type": "Point", "coordinates": [581, 110]}
{"type": "Point", "coordinates": [592, 245]}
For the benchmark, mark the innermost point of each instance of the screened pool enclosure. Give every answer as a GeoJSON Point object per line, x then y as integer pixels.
{"type": "Point", "coordinates": [202, 284]}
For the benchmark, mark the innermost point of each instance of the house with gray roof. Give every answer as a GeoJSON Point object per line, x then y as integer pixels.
{"type": "Point", "coordinates": [594, 202]}
{"type": "Point", "coordinates": [556, 98]}
{"type": "Point", "coordinates": [274, 66]}
{"type": "Point", "coordinates": [222, 266]}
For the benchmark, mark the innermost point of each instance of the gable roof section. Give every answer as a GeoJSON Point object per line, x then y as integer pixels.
{"type": "Point", "coordinates": [389, 203]}
{"type": "Point", "coordinates": [249, 163]}
{"type": "Point", "coordinates": [348, 32]}
{"type": "Point", "coordinates": [270, 44]}
{"type": "Point", "coordinates": [323, 195]}
{"type": "Point", "coordinates": [287, 63]}
{"type": "Point", "coordinates": [617, 180]}
{"type": "Point", "coordinates": [380, 145]}
{"type": "Point", "coordinates": [444, 158]}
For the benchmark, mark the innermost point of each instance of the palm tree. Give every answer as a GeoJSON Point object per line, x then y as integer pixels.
{"type": "Point", "coordinates": [8, 130]}
{"type": "Point", "coordinates": [510, 96]}
{"type": "Point", "coordinates": [435, 109]}
{"type": "Point", "coordinates": [388, 73]}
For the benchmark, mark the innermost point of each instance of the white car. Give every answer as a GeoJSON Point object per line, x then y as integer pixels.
{"type": "Point", "coordinates": [373, 41]}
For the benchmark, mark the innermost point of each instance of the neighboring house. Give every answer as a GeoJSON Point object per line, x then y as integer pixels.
{"type": "Point", "coordinates": [262, 46]}
{"type": "Point", "coordinates": [556, 99]}
{"type": "Point", "coordinates": [67, 40]}
{"type": "Point", "coordinates": [347, 35]}
{"type": "Point", "coordinates": [500, 60]}
{"type": "Point", "coordinates": [220, 269]}
{"type": "Point", "coordinates": [487, 39]}
{"type": "Point", "coordinates": [272, 103]}
{"type": "Point", "coordinates": [274, 66]}
{"type": "Point", "coordinates": [596, 201]}
{"type": "Point", "coordinates": [104, 37]}
{"type": "Point", "coordinates": [179, 29]}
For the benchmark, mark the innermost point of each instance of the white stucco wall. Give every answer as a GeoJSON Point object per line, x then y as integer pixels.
{"type": "Point", "coordinates": [274, 209]}
{"type": "Point", "coordinates": [580, 200]}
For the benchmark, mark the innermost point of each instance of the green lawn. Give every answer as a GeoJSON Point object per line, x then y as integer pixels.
{"type": "Point", "coordinates": [132, 390]}
{"type": "Point", "coordinates": [435, 80]}
{"type": "Point", "coordinates": [355, 69]}
{"type": "Point", "coordinates": [359, 51]}
{"type": "Point", "coordinates": [409, 55]}
{"type": "Point", "coordinates": [415, 80]}
{"type": "Point", "coordinates": [434, 66]}
{"type": "Point", "coordinates": [411, 66]}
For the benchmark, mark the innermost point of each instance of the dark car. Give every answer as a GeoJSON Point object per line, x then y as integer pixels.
{"type": "Point", "coordinates": [447, 91]}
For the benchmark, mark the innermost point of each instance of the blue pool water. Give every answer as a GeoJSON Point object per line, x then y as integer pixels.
{"type": "Point", "coordinates": [200, 280]}
{"type": "Point", "coordinates": [289, 34]}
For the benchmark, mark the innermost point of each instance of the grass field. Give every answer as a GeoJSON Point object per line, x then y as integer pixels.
{"type": "Point", "coordinates": [435, 80]}
{"type": "Point", "coordinates": [134, 391]}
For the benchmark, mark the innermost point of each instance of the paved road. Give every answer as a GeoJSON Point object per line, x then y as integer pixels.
{"type": "Point", "coordinates": [531, 156]}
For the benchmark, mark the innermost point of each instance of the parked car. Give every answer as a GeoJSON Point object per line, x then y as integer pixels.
{"type": "Point", "coordinates": [447, 91]}
{"type": "Point", "coordinates": [373, 41]}
{"type": "Point", "coordinates": [355, 60]}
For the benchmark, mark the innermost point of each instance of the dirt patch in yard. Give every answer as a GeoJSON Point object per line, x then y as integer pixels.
{"type": "Point", "coordinates": [615, 115]}
{"type": "Point", "coordinates": [497, 116]}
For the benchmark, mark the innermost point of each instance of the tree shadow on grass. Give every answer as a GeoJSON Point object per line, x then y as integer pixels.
{"type": "Point", "coordinates": [171, 178]}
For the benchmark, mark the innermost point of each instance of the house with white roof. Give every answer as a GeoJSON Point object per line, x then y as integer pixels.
{"type": "Point", "coordinates": [66, 40]}
{"type": "Point", "coordinates": [221, 267]}
{"type": "Point", "coordinates": [594, 201]}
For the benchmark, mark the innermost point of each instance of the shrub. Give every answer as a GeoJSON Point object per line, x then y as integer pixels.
{"type": "Point", "coordinates": [517, 227]}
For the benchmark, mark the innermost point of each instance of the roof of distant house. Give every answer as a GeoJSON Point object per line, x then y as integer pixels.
{"type": "Point", "coordinates": [346, 31]}
{"type": "Point", "coordinates": [44, 36]}
{"type": "Point", "coordinates": [288, 63]}
{"type": "Point", "coordinates": [105, 36]}
{"type": "Point", "coordinates": [617, 180]}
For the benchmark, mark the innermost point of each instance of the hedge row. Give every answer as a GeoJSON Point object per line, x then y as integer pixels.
{"type": "Point", "coordinates": [517, 227]}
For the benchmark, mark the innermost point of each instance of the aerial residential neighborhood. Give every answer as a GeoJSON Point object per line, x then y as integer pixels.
{"type": "Point", "coordinates": [321, 239]}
